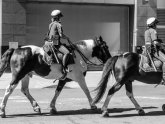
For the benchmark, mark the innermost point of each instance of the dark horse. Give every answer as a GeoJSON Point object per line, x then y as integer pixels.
{"type": "Point", "coordinates": [125, 68]}
{"type": "Point", "coordinates": [29, 59]}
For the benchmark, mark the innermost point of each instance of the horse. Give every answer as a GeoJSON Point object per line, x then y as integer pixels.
{"type": "Point", "coordinates": [28, 60]}
{"type": "Point", "coordinates": [125, 68]}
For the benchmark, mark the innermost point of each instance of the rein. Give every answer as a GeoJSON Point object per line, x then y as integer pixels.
{"type": "Point", "coordinates": [86, 60]}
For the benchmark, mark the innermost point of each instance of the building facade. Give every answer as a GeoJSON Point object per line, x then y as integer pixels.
{"type": "Point", "coordinates": [25, 22]}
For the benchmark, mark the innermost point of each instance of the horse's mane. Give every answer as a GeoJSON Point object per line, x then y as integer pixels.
{"type": "Point", "coordinates": [85, 43]}
{"type": "Point", "coordinates": [80, 42]}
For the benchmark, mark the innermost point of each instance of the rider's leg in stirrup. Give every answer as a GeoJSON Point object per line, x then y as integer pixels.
{"type": "Point", "coordinates": [65, 63]}
{"type": "Point", "coordinates": [64, 50]}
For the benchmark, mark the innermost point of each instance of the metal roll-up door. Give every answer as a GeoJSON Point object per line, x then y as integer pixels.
{"type": "Point", "coordinates": [161, 26]}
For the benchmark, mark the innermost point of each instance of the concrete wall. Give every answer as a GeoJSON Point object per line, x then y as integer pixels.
{"type": "Point", "coordinates": [13, 21]}
{"type": "Point", "coordinates": [161, 4]}
{"type": "Point", "coordinates": [145, 10]}
{"type": "Point", "coordinates": [161, 18]}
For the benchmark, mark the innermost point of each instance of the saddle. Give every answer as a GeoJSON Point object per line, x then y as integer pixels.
{"type": "Point", "coordinates": [53, 56]}
{"type": "Point", "coordinates": [144, 64]}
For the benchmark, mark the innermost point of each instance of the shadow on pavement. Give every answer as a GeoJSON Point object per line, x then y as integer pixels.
{"type": "Point", "coordinates": [151, 113]}
{"type": "Point", "coordinates": [89, 111]}
{"type": "Point", "coordinates": [25, 115]}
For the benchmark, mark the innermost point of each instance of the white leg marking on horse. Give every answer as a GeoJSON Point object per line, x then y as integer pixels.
{"type": "Point", "coordinates": [8, 92]}
{"type": "Point", "coordinates": [25, 91]}
{"type": "Point", "coordinates": [107, 100]}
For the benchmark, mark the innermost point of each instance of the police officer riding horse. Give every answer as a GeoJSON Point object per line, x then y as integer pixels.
{"type": "Point", "coordinates": [155, 48]}
{"type": "Point", "coordinates": [53, 41]}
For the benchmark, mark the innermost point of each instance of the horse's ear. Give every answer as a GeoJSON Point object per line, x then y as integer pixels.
{"type": "Point", "coordinates": [101, 39]}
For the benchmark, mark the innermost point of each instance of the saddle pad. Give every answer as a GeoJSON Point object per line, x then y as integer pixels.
{"type": "Point", "coordinates": [143, 64]}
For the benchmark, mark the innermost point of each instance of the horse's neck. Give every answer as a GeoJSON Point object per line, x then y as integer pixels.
{"type": "Point", "coordinates": [85, 51]}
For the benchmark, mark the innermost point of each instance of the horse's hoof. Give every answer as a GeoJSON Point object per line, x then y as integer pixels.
{"type": "Point", "coordinates": [38, 110]}
{"type": "Point", "coordinates": [141, 112]}
{"type": "Point", "coordinates": [53, 112]}
{"type": "Point", "coordinates": [163, 107]}
{"type": "Point", "coordinates": [3, 115]}
{"type": "Point", "coordinates": [105, 114]}
{"type": "Point", "coordinates": [93, 107]}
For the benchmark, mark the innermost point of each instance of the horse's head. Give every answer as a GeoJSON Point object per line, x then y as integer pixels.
{"type": "Point", "coordinates": [101, 50]}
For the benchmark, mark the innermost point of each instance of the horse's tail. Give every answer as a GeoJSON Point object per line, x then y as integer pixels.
{"type": "Point", "coordinates": [5, 60]}
{"type": "Point", "coordinates": [101, 88]}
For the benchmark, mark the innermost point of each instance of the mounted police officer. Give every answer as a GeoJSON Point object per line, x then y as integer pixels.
{"type": "Point", "coordinates": [151, 38]}
{"type": "Point", "coordinates": [151, 33]}
{"type": "Point", "coordinates": [55, 34]}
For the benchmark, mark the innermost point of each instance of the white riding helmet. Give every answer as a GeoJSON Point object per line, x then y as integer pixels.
{"type": "Point", "coordinates": [56, 13]}
{"type": "Point", "coordinates": [151, 21]}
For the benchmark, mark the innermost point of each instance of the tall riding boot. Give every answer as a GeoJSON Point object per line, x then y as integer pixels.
{"type": "Point", "coordinates": [149, 61]}
{"type": "Point", "coordinates": [65, 63]}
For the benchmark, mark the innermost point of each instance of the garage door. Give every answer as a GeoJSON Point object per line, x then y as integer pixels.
{"type": "Point", "coordinates": [161, 26]}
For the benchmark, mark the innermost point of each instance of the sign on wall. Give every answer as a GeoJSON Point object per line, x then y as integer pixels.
{"type": "Point", "coordinates": [13, 45]}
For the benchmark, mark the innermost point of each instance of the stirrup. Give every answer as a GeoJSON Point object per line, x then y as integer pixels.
{"type": "Point", "coordinates": [61, 78]}
{"type": "Point", "coordinates": [67, 70]}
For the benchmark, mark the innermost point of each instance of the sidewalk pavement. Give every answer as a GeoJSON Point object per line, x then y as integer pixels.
{"type": "Point", "coordinates": [92, 79]}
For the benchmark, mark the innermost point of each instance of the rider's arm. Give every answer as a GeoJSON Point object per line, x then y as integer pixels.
{"type": "Point", "coordinates": [154, 36]}
{"type": "Point", "coordinates": [60, 31]}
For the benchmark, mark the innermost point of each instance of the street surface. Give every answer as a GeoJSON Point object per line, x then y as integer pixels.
{"type": "Point", "coordinates": [73, 108]}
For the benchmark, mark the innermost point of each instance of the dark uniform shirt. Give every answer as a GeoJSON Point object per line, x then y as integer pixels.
{"type": "Point", "coordinates": [55, 33]}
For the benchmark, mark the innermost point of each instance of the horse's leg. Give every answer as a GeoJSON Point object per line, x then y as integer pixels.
{"type": "Point", "coordinates": [81, 81]}
{"type": "Point", "coordinates": [25, 91]}
{"type": "Point", "coordinates": [59, 88]}
{"type": "Point", "coordinates": [111, 92]}
{"type": "Point", "coordinates": [10, 88]}
{"type": "Point", "coordinates": [129, 93]}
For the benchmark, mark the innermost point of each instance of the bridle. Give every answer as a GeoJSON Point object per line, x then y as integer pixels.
{"type": "Point", "coordinates": [86, 60]}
